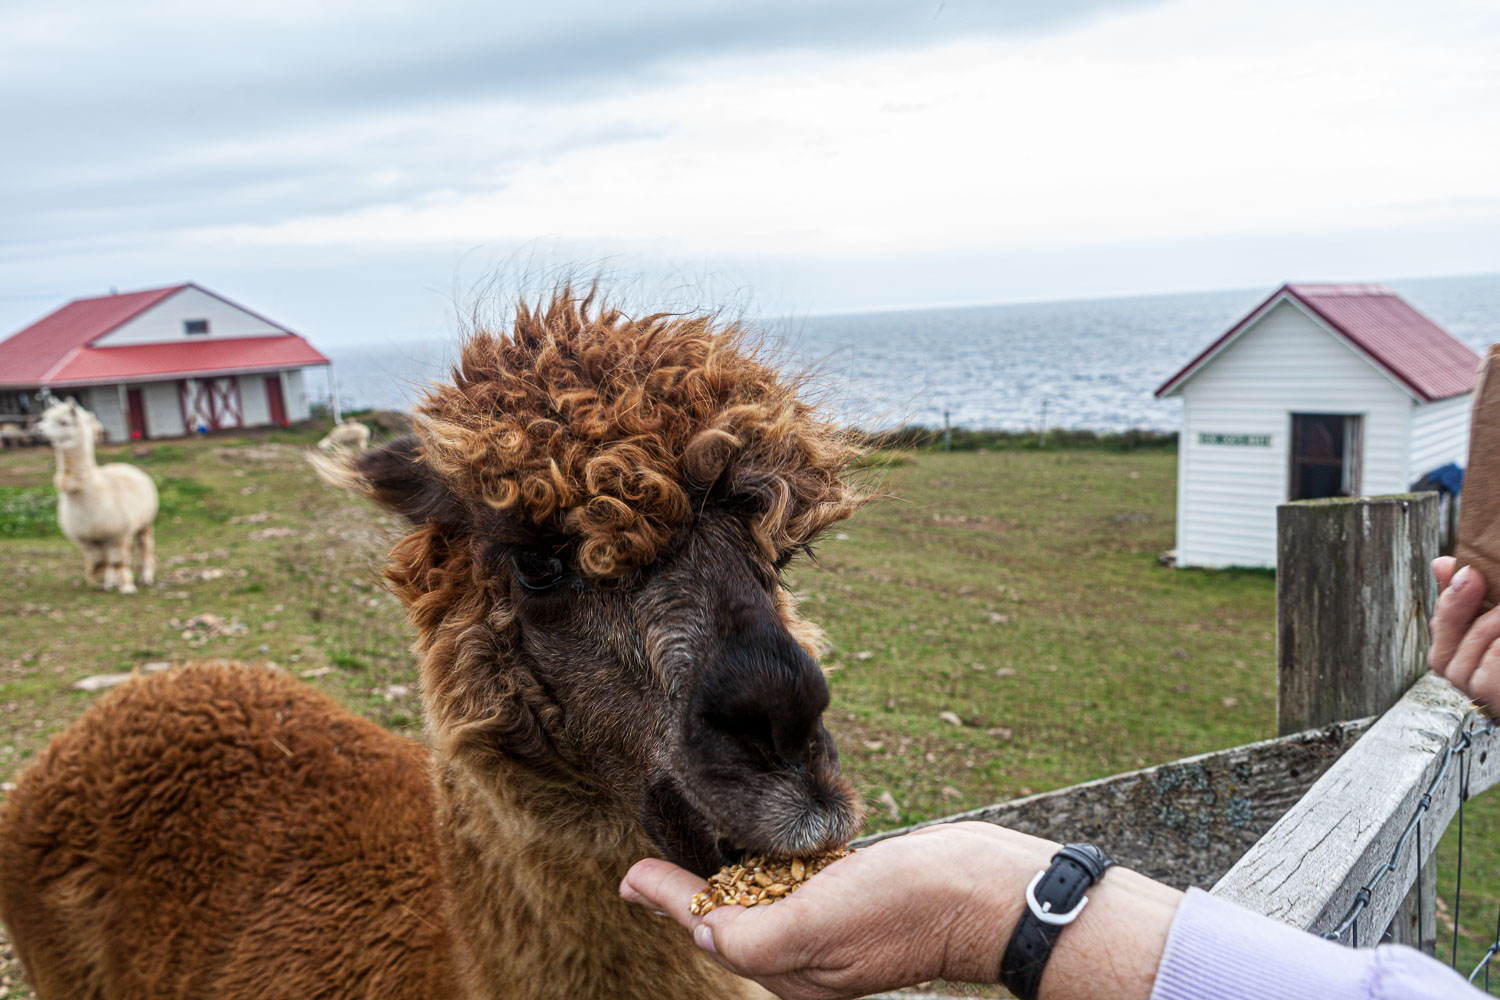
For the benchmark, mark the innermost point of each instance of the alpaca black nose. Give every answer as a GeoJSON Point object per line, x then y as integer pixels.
{"type": "Point", "coordinates": [764, 694]}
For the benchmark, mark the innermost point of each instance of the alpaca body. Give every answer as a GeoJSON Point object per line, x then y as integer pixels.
{"type": "Point", "coordinates": [107, 511]}
{"type": "Point", "coordinates": [14, 435]}
{"type": "Point", "coordinates": [348, 437]}
{"type": "Point", "coordinates": [300, 831]}
{"type": "Point", "coordinates": [261, 810]}
{"type": "Point", "coordinates": [109, 515]}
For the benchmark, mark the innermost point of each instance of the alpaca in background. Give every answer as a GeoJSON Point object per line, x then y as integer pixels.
{"type": "Point", "coordinates": [106, 510]}
{"type": "Point", "coordinates": [14, 436]}
{"type": "Point", "coordinates": [352, 436]}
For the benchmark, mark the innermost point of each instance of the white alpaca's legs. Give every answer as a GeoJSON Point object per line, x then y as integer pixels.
{"type": "Point", "coordinates": [119, 566]}
{"type": "Point", "coordinates": [93, 565]}
{"type": "Point", "coordinates": [145, 555]}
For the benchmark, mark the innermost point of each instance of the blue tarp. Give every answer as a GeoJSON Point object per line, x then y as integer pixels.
{"type": "Point", "coordinates": [1444, 479]}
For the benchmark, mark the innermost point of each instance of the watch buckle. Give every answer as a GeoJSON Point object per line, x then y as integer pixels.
{"type": "Point", "coordinates": [1043, 911]}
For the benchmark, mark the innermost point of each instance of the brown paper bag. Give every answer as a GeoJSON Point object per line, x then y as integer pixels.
{"type": "Point", "coordinates": [1478, 543]}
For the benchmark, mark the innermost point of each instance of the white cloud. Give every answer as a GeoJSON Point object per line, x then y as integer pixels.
{"type": "Point", "coordinates": [1190, 119]}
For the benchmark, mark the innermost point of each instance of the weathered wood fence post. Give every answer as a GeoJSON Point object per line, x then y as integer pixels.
{"type": "Point", "coordinates": [1354, 592]}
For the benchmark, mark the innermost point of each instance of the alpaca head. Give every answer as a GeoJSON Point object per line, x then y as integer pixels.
{"type": "Point", "coordinates": [601, 509]}
{"type": "Point", "coordinates": [67, 424]}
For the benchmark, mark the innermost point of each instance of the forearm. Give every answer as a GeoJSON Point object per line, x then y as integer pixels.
{"type": "Point", "coordinates": [1111, 950]}
{"type": "Point", "coordinates": [1114, 947]}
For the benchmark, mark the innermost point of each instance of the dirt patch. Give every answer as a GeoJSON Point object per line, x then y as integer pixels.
{"type": "Point", "coordinates": [200, 628]}
{"type": "Point", "coordinates": [202, 574]}
{"type": "Point", "coordinates": [256, 453]}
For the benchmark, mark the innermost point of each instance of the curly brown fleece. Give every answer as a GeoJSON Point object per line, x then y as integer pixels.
{"type": "Point", "coordinates": [135, 852]}
{"type": "Point", "coordinates": [604, 429]}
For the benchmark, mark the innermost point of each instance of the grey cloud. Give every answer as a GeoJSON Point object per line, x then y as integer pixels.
{"type": "Point", "coordinates": [115, 102]}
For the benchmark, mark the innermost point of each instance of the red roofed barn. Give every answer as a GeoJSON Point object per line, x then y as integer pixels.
{"type": "Point", "coordinates": [1320, 391]}
{"type": "Point", "coordinates": [158, 364]}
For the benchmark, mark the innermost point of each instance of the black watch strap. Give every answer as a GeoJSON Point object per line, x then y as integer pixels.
{"type": "Point", "coordinates": [1053, 900]}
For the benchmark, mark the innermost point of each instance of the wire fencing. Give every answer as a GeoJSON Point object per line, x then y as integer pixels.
{"type": "Point", "coordinates": [1479, 739]}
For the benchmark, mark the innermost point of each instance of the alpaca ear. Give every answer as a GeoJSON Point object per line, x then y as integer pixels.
{"type": "Point", "coordinates": [397, 477]}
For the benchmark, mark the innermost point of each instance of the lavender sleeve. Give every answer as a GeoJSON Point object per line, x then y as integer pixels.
{"type": "Point", "coordinates": [1219, 951]}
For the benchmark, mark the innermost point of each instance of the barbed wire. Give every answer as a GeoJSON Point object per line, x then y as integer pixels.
{"type": "Point", "coordinates": [1350, 922]}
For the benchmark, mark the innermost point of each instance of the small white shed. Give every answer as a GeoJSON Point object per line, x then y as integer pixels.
{"type": "Point", "coordinates": [1321, 390]}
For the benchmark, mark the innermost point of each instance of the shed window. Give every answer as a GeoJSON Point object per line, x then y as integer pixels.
{"type": "Point", "coordinates": [1325, 455]}
{"type": "Point", "coordinates": [195, 326]}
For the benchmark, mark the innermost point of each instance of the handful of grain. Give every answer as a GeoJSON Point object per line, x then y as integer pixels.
{"type": "Point", "coordinates": [761, 880]}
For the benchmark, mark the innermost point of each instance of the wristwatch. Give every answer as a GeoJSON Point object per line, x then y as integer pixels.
{"type": "Point", "coordinates": [1054, 899]}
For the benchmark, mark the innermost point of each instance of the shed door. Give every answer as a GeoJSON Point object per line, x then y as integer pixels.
{"type": "Point", "coordinates": [1325, 455]}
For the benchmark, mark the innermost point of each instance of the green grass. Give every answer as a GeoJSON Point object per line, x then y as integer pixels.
{"type": "Point", "coordinates": [28, 511]}
{"type": "Point", "coordinates": [1020, 590]}
{"type": "Point", "coordinates": [1479, 908]}
{"type": "Point", "coordinates": [1014, 587]}
{"type": "Point", "coordinates": [963, 439]}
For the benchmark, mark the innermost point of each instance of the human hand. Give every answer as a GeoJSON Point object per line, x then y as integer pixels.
{"type": "Point", "coordinates": [1465, 649]}
{"type": "Point", "coordinates": [937, 903]}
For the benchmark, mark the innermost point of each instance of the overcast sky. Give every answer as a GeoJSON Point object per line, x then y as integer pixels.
{"type": "Point", "coordinates": [354, 169]}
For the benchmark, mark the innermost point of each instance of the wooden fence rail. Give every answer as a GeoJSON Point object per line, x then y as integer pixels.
{"type": "Point", "coordinates": [1185, 822]}
{"type": "Point", "coordinates": [1307, 869]}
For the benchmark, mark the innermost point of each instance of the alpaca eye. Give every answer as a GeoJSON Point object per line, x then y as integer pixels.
{"type": "Point", "coordinates": [536, 570]}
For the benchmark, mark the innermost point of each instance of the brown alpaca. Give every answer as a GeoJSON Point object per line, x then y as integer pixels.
{"type": "Point", "coordinates": [600, 508]}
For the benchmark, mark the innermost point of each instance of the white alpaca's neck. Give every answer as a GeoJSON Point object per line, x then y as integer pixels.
{"type": "Point", "coordinates": [75, 465]}
{"type": "Point", "coordinates": [534, 903]}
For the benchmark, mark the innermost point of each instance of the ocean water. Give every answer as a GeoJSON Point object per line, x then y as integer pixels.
{"type": "Point", "coordinates": [1086, 364]}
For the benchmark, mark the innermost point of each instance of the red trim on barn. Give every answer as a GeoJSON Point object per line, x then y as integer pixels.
{"type": "Point", "coordinates": [147, 361]}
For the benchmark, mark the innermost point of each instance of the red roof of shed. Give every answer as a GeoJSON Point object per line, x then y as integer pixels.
{"type": "Point", "coordinates": [56, 349]}
{"type": "Point", "coordinates": [1427, 360]}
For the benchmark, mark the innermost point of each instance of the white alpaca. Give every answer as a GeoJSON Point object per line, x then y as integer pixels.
{"type": "Point", "coordinates": [106, 510]}
{"type": "Point", "coordinates": [346, 437]}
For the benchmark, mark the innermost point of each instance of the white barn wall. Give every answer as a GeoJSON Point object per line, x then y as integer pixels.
{"type": "Point", "coordinates": [163, 322]}
{"type": "Point", "coordinates": [254, 406]}
{"type": "Point", "coordinates": [296, 396]}
{"type": "Point", "coordinates": [104, 402]}
{"type": "Point", "coordinates": [1286, 363]}
{"type": "Point", "coordinates": [163, 406]}
{"type": "Point", "coordinates": [1439, 435]}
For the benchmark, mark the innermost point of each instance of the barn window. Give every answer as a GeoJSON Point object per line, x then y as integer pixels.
{"type": "Point", "coordinates": [1325, 455]}
{"type": "Point", "coordinates": [195, 326]}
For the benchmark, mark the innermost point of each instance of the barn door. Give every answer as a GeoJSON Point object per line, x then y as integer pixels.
{"type": "Point", "coordinates": [212, 404]}
{"type": "Point", "coordinates": [225, 397]}
{"type": "Point", "coordinates": [136, 413]}
{"type": "Point", "coordinates": [274, 401]}
{"type": "Point", "coordinates": [1325, 455]}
